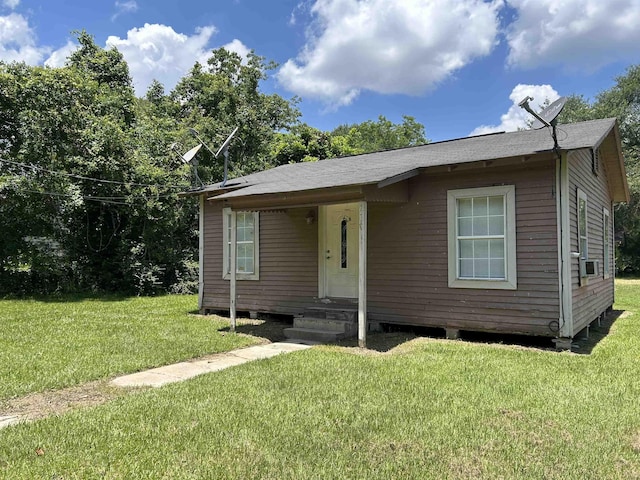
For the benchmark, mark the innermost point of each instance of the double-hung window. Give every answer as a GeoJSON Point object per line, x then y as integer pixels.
{"type": "Point", "coordinates": [482, 239]}
{"type": "Point", "coordinates": [247, 245]}
{"type": "Point", "coordinates": [606, 243]}
{"type": "Point", "coordinates": [583, 238]}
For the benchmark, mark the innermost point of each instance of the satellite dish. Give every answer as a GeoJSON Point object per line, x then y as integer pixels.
{"type": "Point", "coordinates": [549, 114]}
{"type": "Point", "coordinates": [224, 149]}
{"type": "Point", "coordinates": [187, 157]}
{"type": "Point", "coordinates": [226, 143]}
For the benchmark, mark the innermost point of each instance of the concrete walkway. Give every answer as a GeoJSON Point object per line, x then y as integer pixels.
{"type": "Point", "coordinates": [8, 420]}
{"type": "Point", "coordinates": [177, 372]}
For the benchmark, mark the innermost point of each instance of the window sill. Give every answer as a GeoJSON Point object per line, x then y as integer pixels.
{"type": "Point", "coordinates": [483, 284]}
{"type": "Point", "coordinates": [242, 276]}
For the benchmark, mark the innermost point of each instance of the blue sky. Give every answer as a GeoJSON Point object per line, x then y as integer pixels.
{"type": "Point", "coordinates": [457, 66]}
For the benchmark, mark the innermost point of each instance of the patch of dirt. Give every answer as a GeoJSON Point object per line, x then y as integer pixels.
{"type": "Point", "coordinates": [635, 442]}
{"type": "Point", "coordinates": [40, 405]}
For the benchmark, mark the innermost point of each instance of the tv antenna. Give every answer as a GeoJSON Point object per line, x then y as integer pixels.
{"type": "Point", "coordinates": [189, 157]}
{"type": "Point", "coordinates": [548, 117]}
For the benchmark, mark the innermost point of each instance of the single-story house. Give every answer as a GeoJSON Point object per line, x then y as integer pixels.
{"type": "Point", "coordinates": [499, 233]}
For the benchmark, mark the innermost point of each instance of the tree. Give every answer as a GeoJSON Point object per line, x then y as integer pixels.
{"type": "Point", "coordinates": [88, 181]}
{"type": "Point", "coordinates": [71, 127]}
{"type": "Point", "coordinates": [89, 178]}
{"type": "Point", "coordinates": [303, 144]}
{"type": "Point", "coordinates": [370, 136]}
{"type": "Point", "coordinates": [224, 94]}
{"type": "Point", "coordinates": [623, 102]}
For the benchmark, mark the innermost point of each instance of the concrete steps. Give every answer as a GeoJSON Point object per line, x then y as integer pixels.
{"type": "Point", "coordinates": [324, 324]}
{"type": "Point", "coordinates": [312, 335]}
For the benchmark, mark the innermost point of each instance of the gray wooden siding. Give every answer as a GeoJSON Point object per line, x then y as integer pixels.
{"type": "Point", "coordinates": [594, 297]}
{"type": "Point", "coordinates": [288, 263]}
{"type": "Point", "coordinates": [408, 257]}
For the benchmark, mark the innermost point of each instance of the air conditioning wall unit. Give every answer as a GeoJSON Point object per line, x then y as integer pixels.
{"type": "Point", "coordinates": [589, 268]}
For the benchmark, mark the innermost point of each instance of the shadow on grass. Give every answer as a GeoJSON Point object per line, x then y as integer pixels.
{"type": "Point", "coordinates": [396, 335]}
{"type": "Point", "coordinates": [70, 297]}
{"type": "Point", "coordinates": [272, 328]}
{"type": "Point", "coordinates": [383, 342]}
{"type": "Point", "coordinates": [269, 327]}
{"type": "Point", "coordinates": [586, 341]}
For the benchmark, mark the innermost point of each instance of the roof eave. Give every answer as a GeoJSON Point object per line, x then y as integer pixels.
{"type": "Point", "coordinates": [625, 195]}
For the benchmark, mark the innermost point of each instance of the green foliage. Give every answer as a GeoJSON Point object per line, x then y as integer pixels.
{"type": "Point", "coordinates": [621, 101]}
{"type": "Point", "coordinates": [117, 234]}
{"type": "Point", "coordinates": [63, 128]}
{"type": "Point", "coordinates": [576, 109]}
{"type": "Point", "coordinates": [303, 144]}
{"type": "Point", "coordinates": [224, 94]}
{"type": "Point", "coordinates": [307, 144]}
{"type": "Point", "coordinates": [373, 136]}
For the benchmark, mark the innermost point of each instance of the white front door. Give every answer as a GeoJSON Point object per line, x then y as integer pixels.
{"type": "Point", "coordinates": [340, 253]}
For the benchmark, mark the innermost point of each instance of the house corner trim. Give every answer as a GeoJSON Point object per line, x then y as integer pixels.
{"type": "Point", "coordinates": [565, 320]}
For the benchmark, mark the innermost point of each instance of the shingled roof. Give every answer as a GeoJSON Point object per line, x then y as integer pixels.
{"type": "Point", "coordinates": [377, 167]}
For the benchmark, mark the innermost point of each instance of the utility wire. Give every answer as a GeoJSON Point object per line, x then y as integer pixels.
{"type": "Point", "coordinates": [95, 199]}
{"type": "Point", "coordinates": [80, 177]}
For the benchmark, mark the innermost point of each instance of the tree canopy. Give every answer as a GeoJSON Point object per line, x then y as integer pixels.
{"type": "Point", "coordinates": [89, 174]}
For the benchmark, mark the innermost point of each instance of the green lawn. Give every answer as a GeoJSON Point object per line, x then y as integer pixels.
{"type": "Point", "coordinates": [50, 344]}
{"type": "Point", "coordinates": [430, 409]}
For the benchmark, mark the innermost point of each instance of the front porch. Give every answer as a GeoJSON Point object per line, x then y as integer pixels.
{"type": "Point", "coordinates": [342, 271]}
{"type": "Point", "coordinates": [312, 250]}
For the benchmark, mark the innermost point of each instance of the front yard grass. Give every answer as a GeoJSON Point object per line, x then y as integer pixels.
{"type": "Point", "coordinates": [428, 409]}
{"type": "Point", "coordinates": [54, 343]}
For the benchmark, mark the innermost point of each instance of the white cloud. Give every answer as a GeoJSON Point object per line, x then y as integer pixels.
{"type": "Point", "coordinates": [12, 4]}
{"type": "Point", "coordinates": [238, 47]}
{"type": "Point", "coordinates": [584, 34]}
{"type": "Point", "coordinates": [18, 41]}
{"type": "Point", "coordinates": [126, 6]}
{"type": "Point", "coordinates": [159, 52]}
{"type": "Point", "coordinates": [516, 117]}
{"type": "Point", "coordinates": [59, 57]}
{"type": "Point", "coordinates": [388, 47]}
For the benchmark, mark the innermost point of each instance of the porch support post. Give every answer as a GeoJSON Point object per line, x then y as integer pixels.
{"type": "Point", "coordinates": [362, 276]}
{"type": "Point", "coordinates": [232, 271]}
{"type": "Point", "coordinates": [201, 255]}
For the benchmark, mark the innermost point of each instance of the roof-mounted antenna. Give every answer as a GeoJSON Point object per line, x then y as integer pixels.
{"type": "Point", "coordinates": [548, 117]}
{"type": "Point", "coordinates": [224, 149]}
{"type": "Point", "coordinates": [189, 159]}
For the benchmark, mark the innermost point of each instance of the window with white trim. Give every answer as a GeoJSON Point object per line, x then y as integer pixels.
{"type": "Point", "coordinates": [606, 243]}
{"type": "Point", "coordinates": [583, 238]}
{"type": "Point", "coordinates": [482, 238]}
{"type": "Point", "coordinates": [247, 245]}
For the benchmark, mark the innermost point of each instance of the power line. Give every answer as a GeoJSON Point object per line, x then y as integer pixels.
{"type": "Point", "coordinates": [109, 200]}
{"type": "Point", "coordinates": [81, 177]}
